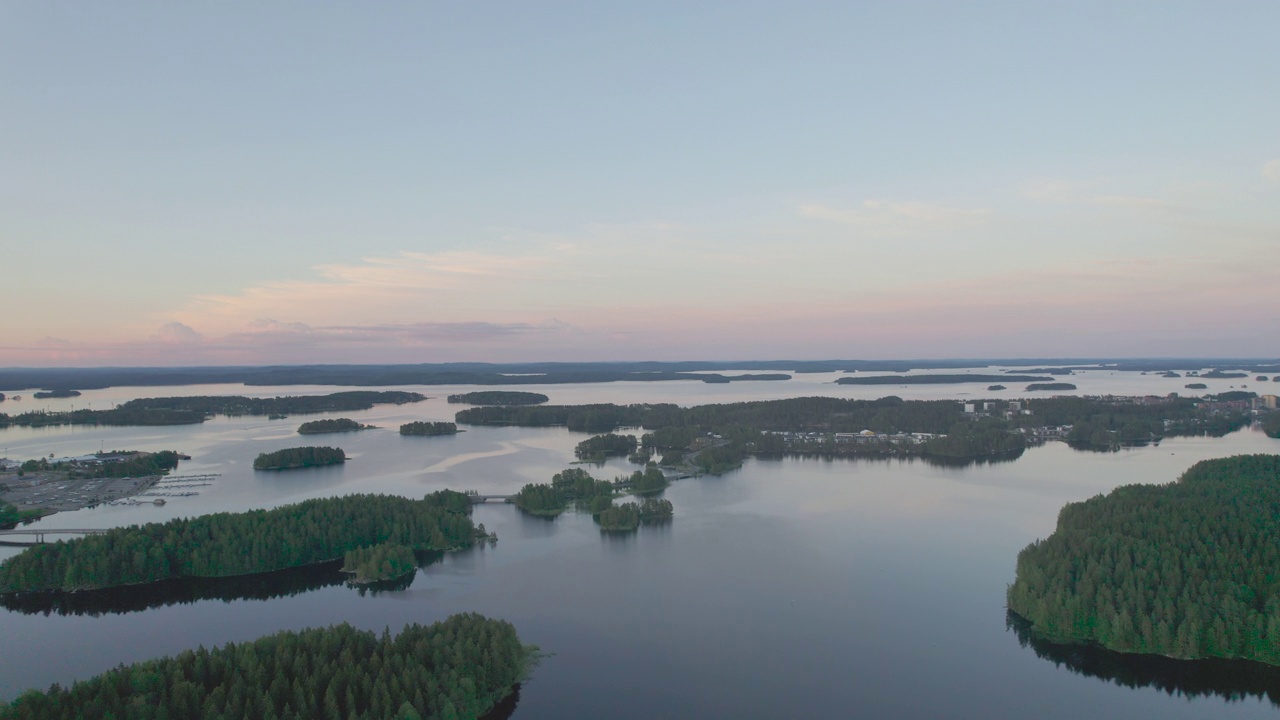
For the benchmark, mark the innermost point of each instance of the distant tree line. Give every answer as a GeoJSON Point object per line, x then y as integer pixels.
{"type": "Point", "coordinates": [458, 668]}
{"type": "Point", "coordinates": [1186, 569]}
{"type": "Point", "coordinates": [499, 397]}
{"type": "Point", "coordinates": [334, 425]}
{"type": "Point", "coordinates": [429, 428]}
{"type": "Point", "coordinates": [228, 544]}
{"type": "Point", "coordinates": [299, 457]}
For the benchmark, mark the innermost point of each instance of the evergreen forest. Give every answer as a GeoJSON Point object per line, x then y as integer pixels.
{"type": "Point", "coordinates": [457, 668]}
{"type": "Point", "coordinates": [228, 544]}
{"type": "Point", "coordinates": [299, 457]}
{"type": "Point", "coordinates": [1186, 569]}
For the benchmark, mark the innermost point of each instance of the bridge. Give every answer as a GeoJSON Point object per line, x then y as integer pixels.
{"type": "Point", "coordinates": [38, 535]}
{"type": "Point", "coordinates": [478, 499]}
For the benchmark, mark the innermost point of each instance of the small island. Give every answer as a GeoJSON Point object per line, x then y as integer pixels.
{"type": "Point", "coordinates": [499, 397]}
{"type": "Point", "coordinates": [1050, 386]}
{"type": "Point", "coordinates": [599, 447]}
{"type": "Point", "coordinates": [994, 388]}
{"type": "Point", "coordinates": [299, 457]}
{"type": "Point", "coordinates": [379, 563]}
{"type": "Point", "coordinates": [1185, 570]}
{"type": "Point", "coordinates": [627, 517]}
{"type": "Point", "coordinates": [429, 429]}
{"type": "Point", "coordinates": [335, 425]}
{"type": "Point", "coordinates": [46, 394]}
{"type": "Point", "coordinates": [1196, 386]}
{"type": "Point", "coordinates": [468, 663]}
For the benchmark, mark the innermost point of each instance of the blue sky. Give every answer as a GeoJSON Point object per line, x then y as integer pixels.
{"type": "Point", "coordinates": [529, 181]}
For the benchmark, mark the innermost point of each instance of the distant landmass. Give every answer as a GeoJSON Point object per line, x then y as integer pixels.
{"type": "Point", "coordinates": [569, 372]}
{"type": "Point", "coordinates": [934, 379]}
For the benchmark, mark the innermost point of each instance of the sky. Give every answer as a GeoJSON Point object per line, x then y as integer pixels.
{"type": "Point", "coordinates": [296, 182]}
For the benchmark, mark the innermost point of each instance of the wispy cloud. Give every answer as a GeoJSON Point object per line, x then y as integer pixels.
{"type": "Point", "coordinates": [1271, 170]}
{"type": "Point", "coordinates": [889, 218]}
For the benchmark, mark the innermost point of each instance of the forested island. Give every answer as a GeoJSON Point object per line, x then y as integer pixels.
{"type": "Point", "coordinates": [935, 379]}
{"type": "Point", "coordinates": [600, 447]}
{"type": "Point", "coordinates": [994, 388]}
{"type": "Point", "coordinates": [378, 563]}
{"type": "Point", "coordinates": [196, 409]}
{"type": "Point", "coordinates": [1033, 387]}
{"type": "Point", "coordinates": [629, 516]}
{"type": "Point", "coordinates": [499, 397]}
{"type": "Point", "coordinates": [458, 668]}
{"type": "Point", "coordinates": [229, 544]}
{"type": "Point", "coordinates": [300, 457]}
{"type": "Point", "coordinates": [335, 425]}
{"type": "Point", "coordinates": [577, 488]}
{"type": "Point", "coordinates": [1196, 386]}
{"type": "Point", "coordinates": [429, 428]}
{"type": "Point", "coordinates": [1186, 570]}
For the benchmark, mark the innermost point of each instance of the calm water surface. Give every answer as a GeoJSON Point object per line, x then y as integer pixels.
{"type": "Point", "coordinates": [789, 588]}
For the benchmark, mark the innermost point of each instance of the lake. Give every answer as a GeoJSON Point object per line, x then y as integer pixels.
{"type": "Point", "coordinates": [796, 587]}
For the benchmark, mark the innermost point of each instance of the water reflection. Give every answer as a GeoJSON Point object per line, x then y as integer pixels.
{"type": "Point", "coordinates": [184, 591]}
{"type": "Point", "coordinates": [1231, 680]}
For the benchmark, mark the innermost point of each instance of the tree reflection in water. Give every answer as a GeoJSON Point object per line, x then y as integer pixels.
{"type": "Point", "coordinates": [1232, 680]}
